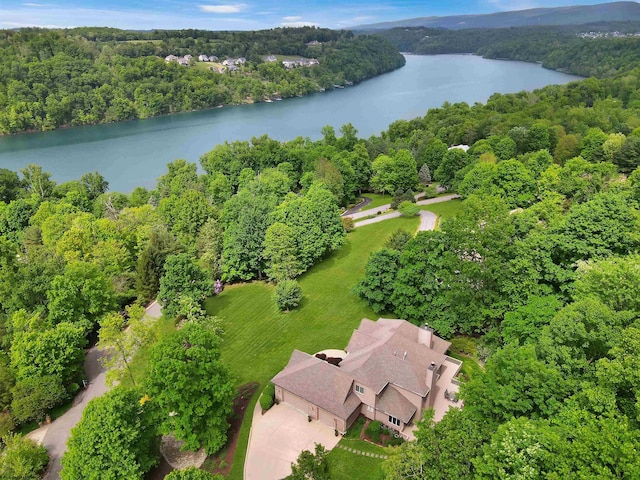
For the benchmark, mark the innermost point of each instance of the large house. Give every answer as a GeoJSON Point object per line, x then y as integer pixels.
{"type": "Point", "coordinates": [391, 371]}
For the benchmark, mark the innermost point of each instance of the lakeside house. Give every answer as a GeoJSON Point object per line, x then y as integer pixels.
{"type": "Point", "coordinates": [391, 371]}
{"type": "Point", "coordinates": [300, 62]}
{"type": "Point", "coordinates": [180, 60]}
{"type": "Point", "coordinates": [270, 58]}
{"type": "Point", "coordinates": [313, 43]}
{"type": "Point", "coordinates": [459, 147]}
{"type": "Point", "coordinates": [229, 62]}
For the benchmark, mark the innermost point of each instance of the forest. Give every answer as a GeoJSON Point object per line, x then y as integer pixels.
{"type": "Point", "coordinates": [539, 272]}
{"type": "Point", "coordinates": [557, 48]}
{"type": "Point", "coordinates": [54, 78]}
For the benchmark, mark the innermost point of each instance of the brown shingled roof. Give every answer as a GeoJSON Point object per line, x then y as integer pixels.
{"type": "Point", "coordinates": [320, 383]}
{"type": "Point", "coordinates": [382, 360]}
{"type": "Point", "coordinates": [394, 403]}
{"type": "Point", "coordinates": [380, 354]}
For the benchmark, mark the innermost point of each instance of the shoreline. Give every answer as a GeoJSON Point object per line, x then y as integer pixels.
{"type": "Point", "coordinates": [252, 102]}
{"type": "Point", "coordinates": [501, 59]}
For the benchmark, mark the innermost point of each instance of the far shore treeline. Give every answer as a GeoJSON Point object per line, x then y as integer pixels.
{"type": "Point", "coordinates": [603, 49]}
{"type": "Point", "coordinates": [54, 78]}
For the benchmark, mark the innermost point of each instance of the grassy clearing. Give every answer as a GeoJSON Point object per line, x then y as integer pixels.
{"type": "Point", "coordinates": [465, 348]}
{"type": "Point", "coordinates": [207, 65]}
{"type": "Point", "coordinates": [344, 465]}
{"type": "Point", "coordinates": [157, 42]}
{"type": "Point", "coordinates": [377, 199]}
{"type": "Point", "coordinates": [237, 468]}
{"type": "Point", "coordinates": [444, 210]}
{"type": "Point", "coordinates": [259, 339]}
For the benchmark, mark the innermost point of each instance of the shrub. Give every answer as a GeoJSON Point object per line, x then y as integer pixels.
{"type": "Point", "coordinates": [408, 209]}
{"type": "Point", "coordinates": [395, 441]}
{"type": "Point", "coordinates": [398, 239]}
{"type": "Point", "coordinates": [399, 196]}
{"type": "Point", "coordinates": [430, 192]}
{"type": "Point", "coordinates": [373, 430]}
{"type": "Point", "coordinates": [288, 294]}
{"type": "Point", "coordinates": [6, 423]}
{"type": "Point", "coordinates": [22, 459]}
{"type": "Point", "coordinates": [34, 396]}
{"type": "Point", "coordinates": [267, 397]}
{"type": "Point", "coordinates": [347, 223]}
{"type": "Point", "coordinates": [191, 473]}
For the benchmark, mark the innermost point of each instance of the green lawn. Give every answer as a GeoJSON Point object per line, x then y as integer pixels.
{"type": "Point", "coordinates": [444, 210]}
{"type": "Point", "coordinates": [344, 465]}
{"type": "Point", "coordinates": [464, 348]}
{"type": "Point", "coordinates": [259, 340]}
{"type": "Point", "coordinates": [377, 199]}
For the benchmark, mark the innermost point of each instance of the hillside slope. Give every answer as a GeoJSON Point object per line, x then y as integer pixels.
{"type": "Point", "coordinates": [573, 15]}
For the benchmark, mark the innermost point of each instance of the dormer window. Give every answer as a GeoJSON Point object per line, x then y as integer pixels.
{"type": "Point", "coordinates": [359, 389]}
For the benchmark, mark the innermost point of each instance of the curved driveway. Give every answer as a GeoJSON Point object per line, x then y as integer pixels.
{"type": "Point", "coordinates": [427, 219]}
{"type": "Point", "coordinates": [57, 434]}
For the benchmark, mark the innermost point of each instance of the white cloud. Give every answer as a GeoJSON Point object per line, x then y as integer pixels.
{"type": "Point", "coordinates": [293, 18]}
{"type": "Point", "coordinates": [230, 8]}
{"type": "Point", "coordinates": [33, 5]}
{"type": "Point", "coordinates": [29, 24]}
{"type": "Point", "coordinates": [300, 23]}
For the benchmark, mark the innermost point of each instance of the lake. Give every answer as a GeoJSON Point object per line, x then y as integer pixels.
{"type": "Point", "coordinates": [135, 153]}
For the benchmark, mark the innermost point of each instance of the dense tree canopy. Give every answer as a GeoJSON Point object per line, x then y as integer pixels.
{"type": "Point", "coordinates": [116, 438]}
{"type": "Point", "coordinates": [52, 78]}
{"type": "Point", "coordinates": [191, 386]}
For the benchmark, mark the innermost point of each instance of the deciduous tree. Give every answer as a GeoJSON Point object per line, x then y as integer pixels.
{"type": "Point", "coordinates": [192, 387]}
{"type": "Point", "coordinates": [116, 438]}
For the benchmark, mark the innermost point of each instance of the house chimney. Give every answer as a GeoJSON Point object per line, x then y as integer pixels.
{"type": "Point", "coordinates": [426, 335]}
{"type": "Point", "coordinates": [431, 383]}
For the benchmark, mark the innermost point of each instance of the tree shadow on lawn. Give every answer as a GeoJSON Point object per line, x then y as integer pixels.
{"type": "Point", "coordinates": [329, 261]}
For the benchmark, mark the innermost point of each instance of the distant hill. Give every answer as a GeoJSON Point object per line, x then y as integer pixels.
{"type": "Point", "coordinates": [574, 15]}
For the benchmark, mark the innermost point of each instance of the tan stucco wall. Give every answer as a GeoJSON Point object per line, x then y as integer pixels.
{"type": "Point", "coordinates": [384, 418]}
{"type": "Point", "coordinates": [369, 396]}
{"type": "Point", "coordinates": [307, 408]}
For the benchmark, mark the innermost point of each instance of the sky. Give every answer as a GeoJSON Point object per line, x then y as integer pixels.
{"type": "Point", "coordinates": [243, 14]}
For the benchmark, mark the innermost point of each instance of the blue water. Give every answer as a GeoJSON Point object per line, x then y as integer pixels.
{"type": "Point", "coordinates": [135, 153]}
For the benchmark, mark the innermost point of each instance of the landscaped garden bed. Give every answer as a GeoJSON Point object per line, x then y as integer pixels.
{"type": "Point", "coordinates": [220, 463]}
{"type": "Point", "coordinates": [374, 432]}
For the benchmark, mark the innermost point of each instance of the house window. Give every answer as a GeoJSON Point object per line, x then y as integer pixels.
{"type": "Point", "coordinates": [359, 389]}
{"type": "Point", "coordinates": [394, 420]}
{"type": "Point", "coordinates": [370, 408]}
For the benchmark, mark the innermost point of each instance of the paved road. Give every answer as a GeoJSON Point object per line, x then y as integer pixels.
{"type": "Point", "coordinates": [57, 434]}
{"type": "Point", "coordinates": [427, 220]}
{"type": "Point", "coordinates": [384, 208]}
{"type": "Point", "coordinates": [365, 201]}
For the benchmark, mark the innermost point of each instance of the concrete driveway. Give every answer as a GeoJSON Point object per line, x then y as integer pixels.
{"type": "Point", "coordinates": [278, 437]}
